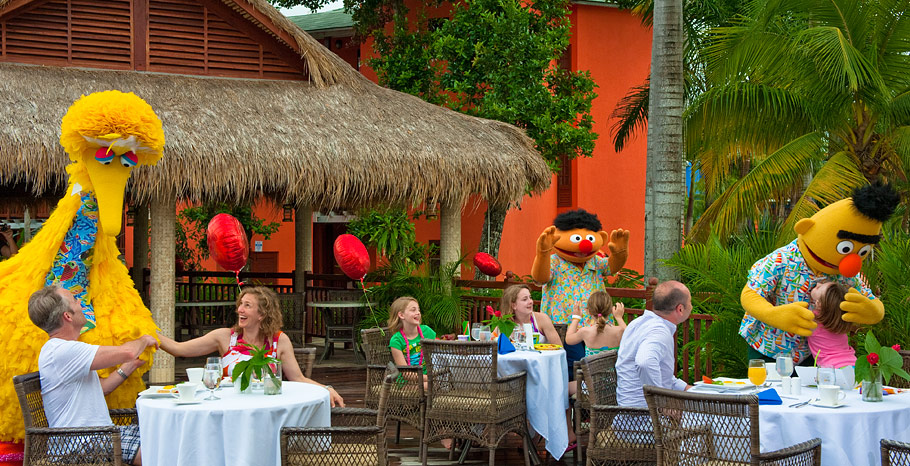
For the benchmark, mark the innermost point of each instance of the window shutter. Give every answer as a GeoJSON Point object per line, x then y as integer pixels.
{"type": "Point", "coordinates": [564, 182]}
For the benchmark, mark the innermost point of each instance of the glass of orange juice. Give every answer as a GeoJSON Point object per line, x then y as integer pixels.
{"type": "Point", "coordinates": [757, 371]}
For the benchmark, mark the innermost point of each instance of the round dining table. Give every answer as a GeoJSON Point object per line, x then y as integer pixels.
{"type": "Point", "coordinates": [850, 434]}
{"type": "Point", "coordinates": [546, 391]}
{"type": "Point", "coordinates": [237, 430]}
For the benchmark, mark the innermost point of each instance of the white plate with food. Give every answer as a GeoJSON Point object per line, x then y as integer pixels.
{"type": "Point", "coordinates": [724, 384]}
{"type": "Point", "coordinates": [159, 391]}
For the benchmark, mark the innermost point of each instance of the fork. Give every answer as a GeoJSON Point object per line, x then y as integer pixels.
{"type": "Point", "coordinates": [799, 405]}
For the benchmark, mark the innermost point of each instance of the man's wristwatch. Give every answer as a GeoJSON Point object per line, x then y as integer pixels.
{"type": "Point", "coordinates": [122, 374]}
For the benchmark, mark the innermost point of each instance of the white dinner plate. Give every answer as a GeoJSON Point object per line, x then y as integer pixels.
{"type": "Point", "coordinates": [729, 385]}
{"type": "Point", "coordinates": [152, 392]}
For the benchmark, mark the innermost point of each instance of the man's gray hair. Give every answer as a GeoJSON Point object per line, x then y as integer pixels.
{"type": "Point", "coordinates": [668, 295]}
{"type": "Point", "coordinates": [46, 307]}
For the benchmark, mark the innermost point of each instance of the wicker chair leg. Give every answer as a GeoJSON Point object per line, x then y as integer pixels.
{"type": "Point", "coordinates": [493, 456]}
{"type": "Point", "coordinates": [465, 449]}
{"type": "Point", "coordinates": [527, 450]}
{"type": "Point", "coordinates": [398, 433]}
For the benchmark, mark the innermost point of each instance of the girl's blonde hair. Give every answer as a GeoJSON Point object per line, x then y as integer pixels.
{"type": "Point", "coordinates": [269, 309]}
{"type": "Point", "coordinates": [399, 305]}
{"type": "Point", "coordinates": [829, 312]}
{"type": "Point", "coordinates": [600, 303]}
{"type": "Point", "coordinates": [509, 296]}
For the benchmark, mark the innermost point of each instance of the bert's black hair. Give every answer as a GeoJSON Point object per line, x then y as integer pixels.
{"type": "Point", "coordinates": [577, 219]}
{"type": "Point", "coordinates": [876, 201]}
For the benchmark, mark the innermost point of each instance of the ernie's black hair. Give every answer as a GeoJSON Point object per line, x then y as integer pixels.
{"type": "Point", "coordinates": [876, 201]}
{"type": "Point", "coordinates": [577, 219]}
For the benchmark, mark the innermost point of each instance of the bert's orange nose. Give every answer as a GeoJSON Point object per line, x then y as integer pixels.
{"type": "Point", "coordinates": [585, 246]}
{"type": "Point", "coordinates": [850, 265]}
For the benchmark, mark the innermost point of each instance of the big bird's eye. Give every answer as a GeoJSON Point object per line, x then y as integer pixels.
{"type": "Point", "coordinates": [129, 159]}
{"type": "Point", "coordinates": [575, 238]}
{"type": "Point", "coordinates": [104, 155]}
{"type": "Point", "coordinates": [845, 247]}
{"type": "Point", "coordinates": [590, 238]}
{"type": "Point", "coordinates": [865, 250]}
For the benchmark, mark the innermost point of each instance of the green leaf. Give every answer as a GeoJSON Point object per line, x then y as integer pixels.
{"type": "Point", "coordinates": [872, 345]}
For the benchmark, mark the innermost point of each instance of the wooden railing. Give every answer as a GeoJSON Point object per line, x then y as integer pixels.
{"type": "Point", "coordinates": [302, 326]}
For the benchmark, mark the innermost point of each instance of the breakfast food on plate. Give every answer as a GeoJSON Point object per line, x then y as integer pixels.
{"type": "Point", "coordinates": [167, 389]}
{"type": "Point", "coordinates": [546, 346]}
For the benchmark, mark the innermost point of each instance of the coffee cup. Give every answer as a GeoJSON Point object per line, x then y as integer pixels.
{"type": "Point", "coordinates": [194, 374]}
{"type": "Point", "coordinates": [830, 395]}
{"type": "Point", "coordinates": [186, 391]}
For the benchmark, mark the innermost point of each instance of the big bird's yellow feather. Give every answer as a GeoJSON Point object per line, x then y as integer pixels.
{"type": "Point", "coordinates": [120, 122]}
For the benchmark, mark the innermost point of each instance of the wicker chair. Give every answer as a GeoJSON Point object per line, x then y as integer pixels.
{"type": "Point", "coordinates": [467, 400]}
{"type": "Point", "coordinates": [561, 329]}
{"type": "Point", "coordinates": [69, 445]}
{"type": "Point", "coordinates": [407, 399]}
{"type": "Point", "coordinates": [356, 438]}
{"type": "Point", "coordinates": [341, 323]}
{"type": "Point", "coordinates": [895, 453]}
{"type": "Point", "coordinates": [306, 357]}
{"type": "Point", "coordinates": [716, 429]}
{"type": "Point", "coordinates": [899, 382]}
{"type": "Point", "coordinates": [599, 375]}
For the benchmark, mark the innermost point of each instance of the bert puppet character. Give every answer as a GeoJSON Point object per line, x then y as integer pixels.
{"type": "Point", "coordinates": [830, 246]}
{"type": "Point", "coordinates": [569, 268]}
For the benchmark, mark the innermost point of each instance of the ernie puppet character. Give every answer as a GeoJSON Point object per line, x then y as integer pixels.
{"type": "Point", "coordinates": [830, 246]}
{"type": "Point", "coordinates": [569, 267]}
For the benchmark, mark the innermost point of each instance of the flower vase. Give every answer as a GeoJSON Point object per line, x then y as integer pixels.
{"type": "Point", "coordinates": [271, 383]}
{"type": "Point", "coordinates": [872, 389]}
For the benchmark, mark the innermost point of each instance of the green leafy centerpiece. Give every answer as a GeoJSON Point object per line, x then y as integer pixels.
{"type": "Point", "coordinates": [879, 362]}
{"type": "Point", "coordinates": [261, 365]}
{"type": "Point", "coordinates": [504, 323]}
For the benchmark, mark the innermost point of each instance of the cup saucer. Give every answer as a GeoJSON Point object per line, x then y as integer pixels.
{"type": "Point", "coordinates": [187, 402]}
{"type": "Point", "coordinates": [825, 405]}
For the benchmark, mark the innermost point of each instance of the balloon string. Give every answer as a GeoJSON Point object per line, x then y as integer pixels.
{"type": "Point", "coordinates": [239, 283]}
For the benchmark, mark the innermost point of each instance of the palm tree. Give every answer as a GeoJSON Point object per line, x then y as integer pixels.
{"type": "Point", "coordinates": [665, 184]}
{"type": "Point", "coordinates": [813, 96]}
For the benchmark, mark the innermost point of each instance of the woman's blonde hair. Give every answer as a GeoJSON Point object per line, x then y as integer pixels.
{"type": "Point", "coordinates": [269, 309]}
{"type": "Point", "coordinates": [399, 305]}
{"type": "Point", "coordinates": [829, 312]}
{"type": "Point", "coordinates": [509, 296]}
{"type": "Point", "coordinates": [600, 303]}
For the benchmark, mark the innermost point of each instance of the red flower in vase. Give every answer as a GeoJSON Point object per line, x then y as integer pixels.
{"type": "Point", "coordinates": [493, 312]}
{"type": "Point", "coordinates": [872, 358]}
{"type": "Point", "coordinates": [896, 347]}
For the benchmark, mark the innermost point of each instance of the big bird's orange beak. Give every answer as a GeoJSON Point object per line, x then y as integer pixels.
{"type": "Point", "coordinates": [109, 182]}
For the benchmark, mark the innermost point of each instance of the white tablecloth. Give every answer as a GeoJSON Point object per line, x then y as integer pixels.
{"type": "Point", "coordinates": [850, 435]}
{"type": "Point", "coordinates": [547, 393]}
{"type": "Point", "coordinates": [238, 429]}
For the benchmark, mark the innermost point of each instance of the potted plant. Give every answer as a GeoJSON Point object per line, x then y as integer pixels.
{"type": "Point", "coordinates": [879, 362]}
{"type": "Point", "coordinates": [266, 368]}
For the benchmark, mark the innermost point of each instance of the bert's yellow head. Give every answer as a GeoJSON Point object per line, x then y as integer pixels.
{"type": "Point", "coordinates": [580, 236]}
{"type": "Point", "coordinates": [837, 238]}
{"type": "Point", "coordinates": [106, 134]}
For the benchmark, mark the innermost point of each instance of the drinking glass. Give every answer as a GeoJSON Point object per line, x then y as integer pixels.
{"type": "Point", "coordinates": [784, 364]}
{"type": "Point", "coordinates": [475, 331]}
{"type": "Point", "coordinates": [826, 376]}
{"type": "Point", "coordinates": [215, 360]}
{"type": "Point", "coordinates": [211, 378]}
{"type": "Point", "coordinates": [485, 333]}
{"type": "Point", "coordinates": [757, 371]}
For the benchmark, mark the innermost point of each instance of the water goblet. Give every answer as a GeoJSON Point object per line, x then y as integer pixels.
{"type": "Point", "coordinates": [211, 378]}
{"type": "Point", "coordinates": [784, 364]}
{"type": "Point", "coordinates": [485, 333]}
{"type": "Point", "coordinates": [475, 331]}
{"type": "Point", "coordinates": [825, 376]}
{"type": "Point", "coordinates": [757, 371]}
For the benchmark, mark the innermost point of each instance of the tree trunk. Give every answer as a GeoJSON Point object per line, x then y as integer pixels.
{"type": "Point", "coordinates": [493, 221]}
{"type": "Point", "coordinates": [665, 187]}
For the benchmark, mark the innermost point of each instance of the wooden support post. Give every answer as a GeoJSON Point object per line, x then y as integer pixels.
{"type": "Point", "coordinates": [450, 234]}
{"type": "Point", "coordinates": [161, 288]}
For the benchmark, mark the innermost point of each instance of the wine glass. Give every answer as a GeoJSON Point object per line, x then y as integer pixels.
{"type": "Point", "coordinates": [826, 376]}
{"type": "Point", "coordinates": [485, 333]}
{"type": "Point", "coordinates": [784, 364]}
{"type": "Point", "coordinates": [215, 360]}
{"type": "Point", "coordinates": [757, 371]}
{"type": "Point", "coordinates": [475, 331]}
{"type": "Point", "coordinates": [211, 378]}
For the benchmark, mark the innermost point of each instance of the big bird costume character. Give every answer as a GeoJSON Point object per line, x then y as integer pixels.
{"type": "Point", "coordinates": [569, 267]}
{"type": "Point", "coordinates": [830, 246]}
{"type": "Point", "coordinates": [105, 134]}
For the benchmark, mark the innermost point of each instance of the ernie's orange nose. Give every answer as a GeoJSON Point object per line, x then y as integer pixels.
{"type": "Point", "coordinates": [850, 265]}
{"type": "Point", "coordinates": [585, 246]}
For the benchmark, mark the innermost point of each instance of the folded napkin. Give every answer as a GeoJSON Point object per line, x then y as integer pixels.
{"type": "Point", "coordinates": [769, 397]}
{"type": "Point", "coordinates": [505, 345]}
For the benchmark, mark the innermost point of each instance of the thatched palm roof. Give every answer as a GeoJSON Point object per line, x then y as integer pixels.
{"type": "Point", "coordinates": [334, 146]}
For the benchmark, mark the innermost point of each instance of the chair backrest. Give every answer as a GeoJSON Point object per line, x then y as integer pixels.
{"type": "Point", "coordinates": [731, 419]}
{"type": "Point", "coordinates": [895, 453]}
{"type": "Point", "coordinates": [306, 357]}
{"type": "Point", "coordinates": [28, 390]}
{"type": "Point", "coordinates": [600, 377]}
{"type": "Point", "coordinates": [391, 376]}
{"type": "Point", "coordinates": [376, 345]}
{"type": "Point", "coordinates": [465, 366]}
{"type": "Point", "coordinates": [561, 329]}
{"type": "Point", "coordinates": [899, 382]}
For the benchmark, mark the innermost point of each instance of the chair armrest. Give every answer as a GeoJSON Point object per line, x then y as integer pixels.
{"type": "Point", "coordinates": [633, 422]}
{"type": "Point", "coordinates": [71, 431]}
{"type": "Point", "coordinates": [351, 417]}
{"type": "Point", "coordinates": [124, 417]}
{"type": "Point", "coordinates": [511, 377]}
{"type": "Point", "coordinates": [809, 451]}
{"type": "Point", "coordinates": [82, 445]}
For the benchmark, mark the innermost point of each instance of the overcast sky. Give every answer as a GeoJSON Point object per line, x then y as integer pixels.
{"type": "Point", "coordinates": [302, 10]}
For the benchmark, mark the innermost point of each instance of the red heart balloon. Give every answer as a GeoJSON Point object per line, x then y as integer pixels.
{"type": "Point", "coordinates": [487, 264]}
{"type": "Point", "coordinates": [352, 256]}
{"type": "Point", "coordinates": [227, 242]}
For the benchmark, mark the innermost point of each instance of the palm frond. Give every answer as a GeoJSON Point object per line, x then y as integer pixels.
{"type": "Point", "coordinates": [838, 61]}
{"type": "Point", "coordinates": [630, 115]}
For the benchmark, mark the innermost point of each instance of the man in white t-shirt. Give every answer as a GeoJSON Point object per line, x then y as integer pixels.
{"type": "Point", "coordinates": [647, 353]}
{"type": "Point", "coordinates": [73, 393]}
